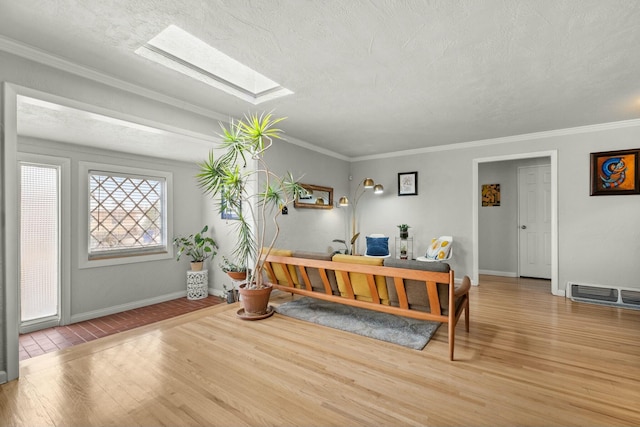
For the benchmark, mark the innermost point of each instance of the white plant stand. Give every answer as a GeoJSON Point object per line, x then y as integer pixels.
{"type": "Point", "coordinates": [197, 284]}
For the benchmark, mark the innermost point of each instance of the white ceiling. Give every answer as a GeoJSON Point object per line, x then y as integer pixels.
{"type": "Point", "coordinates": [372, 77]}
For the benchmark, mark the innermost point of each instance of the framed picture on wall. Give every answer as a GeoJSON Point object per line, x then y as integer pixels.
{"type": "Point", "coordinates": [615, 173]}
{"type": "Point", "coordinates": [226, 211]}
{"type": "Point", "coordinates": [408, 184]}
{"type": "Point", "coordinates": [491, 195]}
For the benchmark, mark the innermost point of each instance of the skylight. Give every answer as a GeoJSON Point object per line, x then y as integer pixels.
{"type": "Point", "coordinates": [176, 49]}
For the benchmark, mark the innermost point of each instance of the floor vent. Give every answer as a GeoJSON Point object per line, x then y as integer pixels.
{"type": "Point", "coordinates": [620, 297]}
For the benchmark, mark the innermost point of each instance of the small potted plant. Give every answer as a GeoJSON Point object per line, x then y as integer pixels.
{"type": "Point", "coordinates": [404, 231]}
{"type": "Point", "coordinates": [403, 252]}
{"type": "Point", "coordinates": [346, 248]}
{"type": "Point", "coordinates": [197, 246]}
{"type": "Point", "coordinates": [233, 270]}
{"type": "Point", "coordinates": [230, 293]}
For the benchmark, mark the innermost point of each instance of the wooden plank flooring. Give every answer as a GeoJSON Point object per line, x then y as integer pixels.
{"type": "Point", "coordinates": [59, 337]}
{"type": "Point", "coordinates": [530, 359]}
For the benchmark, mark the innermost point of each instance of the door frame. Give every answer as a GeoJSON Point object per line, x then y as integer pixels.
{"type": "Point", "coordinates": [10, 235]}
{"type": "Point", "coordinates": [475, 200]}
{"type": "Point", "coordinates": [64, 229]}
{"type": "Point", "coordinates": [9, 229]}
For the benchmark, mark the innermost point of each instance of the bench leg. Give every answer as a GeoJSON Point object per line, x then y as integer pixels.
{"type": "Point", "coordinates": [452, 336]}
{"type": "Point", "coordinates": [466, 315]}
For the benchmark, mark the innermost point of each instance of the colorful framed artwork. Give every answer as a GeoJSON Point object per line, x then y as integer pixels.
{"type": "Point", "coordinates": [615, 173]}
{"type": "Point", "coordinates": [408, 184]}
{"type": "Point", "coordinates": [491, 195]}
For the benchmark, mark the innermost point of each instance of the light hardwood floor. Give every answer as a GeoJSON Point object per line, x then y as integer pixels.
{"type": "Point", "coordinates": [529, 359]}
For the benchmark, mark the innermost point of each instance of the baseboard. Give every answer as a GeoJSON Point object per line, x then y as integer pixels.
{"type": "Point", "coordinates": [81, 317]}
{"type": "Point", "coordinates": [498, 273]}
{"type": "Point", "coordinates": [217, 292]}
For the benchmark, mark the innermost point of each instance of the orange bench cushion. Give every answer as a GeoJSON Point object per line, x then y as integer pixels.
{"type": "Point", "coordinates": [359, 280]}
{"type": "Point", "coordinates": [278, 269]}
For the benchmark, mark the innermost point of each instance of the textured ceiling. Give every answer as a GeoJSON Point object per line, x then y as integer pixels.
{"type": "Point", "coordinates": [372, 77]}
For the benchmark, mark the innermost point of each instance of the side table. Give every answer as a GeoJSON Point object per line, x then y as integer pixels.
{"type": "Point", "coordinates": [197, 284]}
{"type": "Point", "coordinates": [404, 248]}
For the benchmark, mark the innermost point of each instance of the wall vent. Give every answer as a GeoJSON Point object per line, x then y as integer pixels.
{"type": "Point", "coordinates": [607, 295]}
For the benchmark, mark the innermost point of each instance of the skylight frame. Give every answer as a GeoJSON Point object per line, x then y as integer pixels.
{"type": "Point", "coordinates": [178, 50]}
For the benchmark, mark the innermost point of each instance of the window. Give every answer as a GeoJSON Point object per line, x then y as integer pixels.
{"type": "Point", "coordinates": [39, 242]}
{"type": "Point", "coordinates": [126, 214]}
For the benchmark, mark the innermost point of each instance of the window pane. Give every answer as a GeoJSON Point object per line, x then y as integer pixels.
{"type": "Point", "coordinates": [38, 242]}
{"type": "Point", "coordinates": [125, 213]}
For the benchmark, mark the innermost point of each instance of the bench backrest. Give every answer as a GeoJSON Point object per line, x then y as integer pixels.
{"type": "Point", "coordinates": [420, 282]}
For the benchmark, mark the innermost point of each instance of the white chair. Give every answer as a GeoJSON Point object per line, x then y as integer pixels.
{"type": "Point", "coordinates": [440, 249]}
{"type": "Point", "coordinates": [387, 246]}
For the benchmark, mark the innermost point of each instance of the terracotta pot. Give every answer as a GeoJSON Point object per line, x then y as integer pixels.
{"type": "Point", "coordinates": [255, 301]}
{"type": "Point", "coordinates": [196, 266]}
{"type": "Point", "coordinates": [237, 275]}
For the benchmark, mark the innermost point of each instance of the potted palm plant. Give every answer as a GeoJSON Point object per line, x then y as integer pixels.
{"type": "Point", "coordinates": [197, 246]}
{"type": "Point", "coordinates": [254, 195]}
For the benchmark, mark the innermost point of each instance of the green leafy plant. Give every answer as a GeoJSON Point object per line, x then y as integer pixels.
{"type": "Point", "coordinates": [346, 248]}
{"type": "Point", "coordinates": [404, 227]}
{"type": "Point", "coordinates": [197, 246]}
{"type": "Point", "coordinates": [228, 178]}
{"type": "Point", "coordinates": [228, 266]}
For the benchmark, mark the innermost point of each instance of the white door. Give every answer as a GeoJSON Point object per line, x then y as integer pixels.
{"type": "Point", "coordinates": [40, 271]}
{"type": "Point", "coordinates": [534, 211]}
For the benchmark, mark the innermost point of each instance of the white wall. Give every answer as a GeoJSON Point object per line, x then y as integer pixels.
{"type": "Point", "coordinates": [594, 232]}
{"type": "Point", "coordinates": [305, 228]}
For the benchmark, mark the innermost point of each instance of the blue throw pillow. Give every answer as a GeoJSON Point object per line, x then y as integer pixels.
{"type": "Point", "coordinates": [377, 246]}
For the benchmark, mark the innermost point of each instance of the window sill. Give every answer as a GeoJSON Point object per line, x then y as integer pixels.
{"type": "Point", "coordinates": [120, 260]}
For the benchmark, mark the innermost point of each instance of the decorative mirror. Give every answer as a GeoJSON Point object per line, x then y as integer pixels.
{"type": "Point", "coordinates": [317, 197]}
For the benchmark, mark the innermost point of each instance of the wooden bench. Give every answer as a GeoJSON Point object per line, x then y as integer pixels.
{"type": "Point", "coordinates": [458, 296]}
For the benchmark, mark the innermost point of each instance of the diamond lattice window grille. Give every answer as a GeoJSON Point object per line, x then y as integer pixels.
{"type": "Point", "coordinates": [125, 212]}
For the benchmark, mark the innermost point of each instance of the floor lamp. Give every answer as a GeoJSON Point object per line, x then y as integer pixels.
{"type": "Point", "coordinates": [362, 188]}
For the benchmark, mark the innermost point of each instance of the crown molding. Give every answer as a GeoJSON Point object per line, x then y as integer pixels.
{"type": "Point", "coordinates": [46, 58]}
{"type": "Point", "coordinates": [317, 149]}
{"type": "Point", "coordinates": [505, 139]}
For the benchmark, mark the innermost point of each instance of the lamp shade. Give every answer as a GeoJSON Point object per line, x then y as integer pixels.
{"type": "Point", "coordinates": [368, 183]}
{"type": "Point", "coordinates": [343, 201]}
{"type": "Point", "coordinates": [378, 189]}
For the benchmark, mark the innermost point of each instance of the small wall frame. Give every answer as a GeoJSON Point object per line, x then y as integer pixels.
{"type": "Point", "coordinates": [490, 194]}
{"type": "Point", "coordinates": [615, 173]}
{"type": "Point", "coordinates": [408, 184]}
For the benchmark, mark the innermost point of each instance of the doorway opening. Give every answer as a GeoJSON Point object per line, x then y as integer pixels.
{"type": "Point", "coordinates": [551, 158]}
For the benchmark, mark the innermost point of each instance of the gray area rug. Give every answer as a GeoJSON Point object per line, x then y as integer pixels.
{"type": "Point", "coordinates": [404, 331]}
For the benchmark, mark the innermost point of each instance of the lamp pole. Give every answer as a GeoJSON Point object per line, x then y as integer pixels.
{"type": "Point", "coordinates": [363, 186]}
